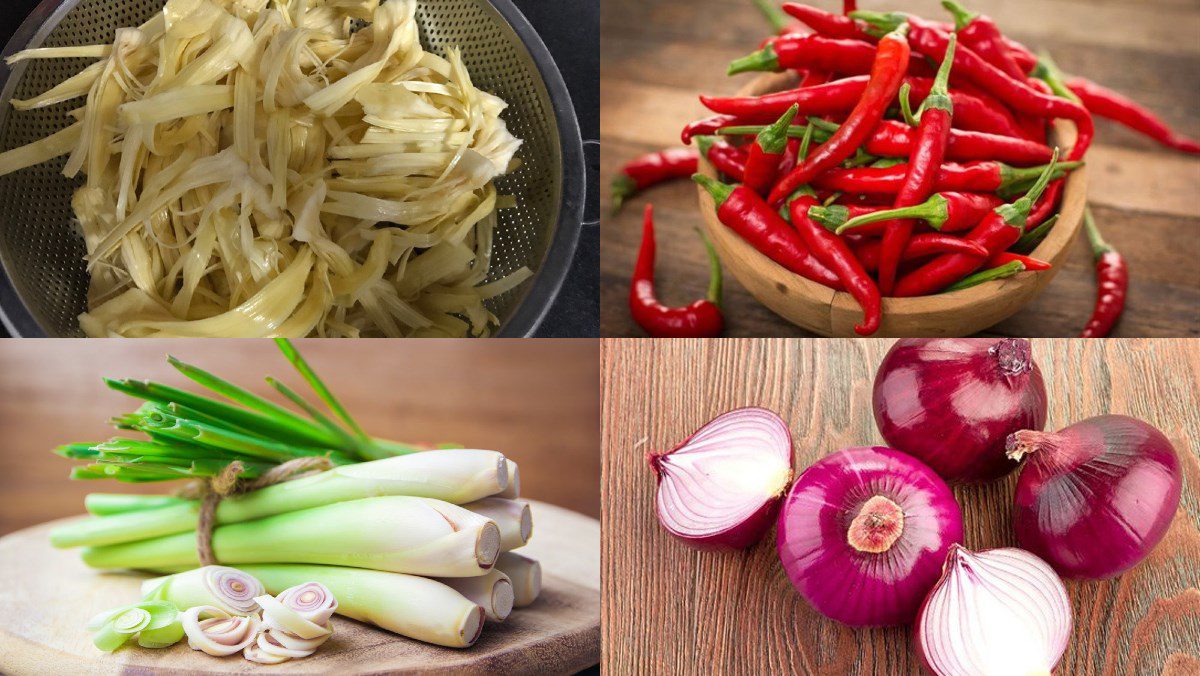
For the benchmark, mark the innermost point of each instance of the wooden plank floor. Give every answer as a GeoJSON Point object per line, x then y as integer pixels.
{"type": "Point", "coordinates": [535, 400]}
{"type": "Point", "coordinates": [657, 55]}
{"type": "Point", "coordinates": [670, 609]}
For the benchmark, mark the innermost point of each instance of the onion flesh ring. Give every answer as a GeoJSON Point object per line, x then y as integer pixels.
{"type": "Point", "coordinates": [1000, 611]}
{"type": "Point", "coordinates": [221, 634]}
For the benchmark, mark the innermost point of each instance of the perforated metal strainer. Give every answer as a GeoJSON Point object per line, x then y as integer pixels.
{"type": "Point", "coordinates": [43, 286]}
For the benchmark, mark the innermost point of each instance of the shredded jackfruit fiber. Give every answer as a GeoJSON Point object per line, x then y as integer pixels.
{"type": "Point", "coordinates": [259, 168]}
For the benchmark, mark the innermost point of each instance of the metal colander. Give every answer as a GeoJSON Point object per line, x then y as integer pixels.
{"type": "Point", "coordinates": [43, 287]}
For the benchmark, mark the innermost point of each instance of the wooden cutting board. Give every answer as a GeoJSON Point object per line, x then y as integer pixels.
{"type": "Point", "coordinates": [47, 596]}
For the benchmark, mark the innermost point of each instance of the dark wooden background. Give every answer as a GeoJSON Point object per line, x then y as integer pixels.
{"type": "Point", "coordinates": [670, 609]}
{"type": "Point", "coordinates": [657, 55]}
{"type": "Point", "coordinates": [534, 400]}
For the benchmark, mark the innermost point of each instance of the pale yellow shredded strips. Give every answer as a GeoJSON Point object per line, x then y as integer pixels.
{"type": "Point", "coordinates": [258, 168]}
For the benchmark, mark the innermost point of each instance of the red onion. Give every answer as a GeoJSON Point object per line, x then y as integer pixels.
{"type": "Point", "coordinates": [720, 487]}
{"type": "Point", "coordinates": [952, 402]}
{"type": "Point", "coordinates": [1001, 611]}
{"type": "Point", "coordinates": [863, 534]}
{"type": "Point", "coordinates": [1094, 498]}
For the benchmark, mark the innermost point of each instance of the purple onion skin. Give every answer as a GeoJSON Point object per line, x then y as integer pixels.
{"type": "Point", "coordinates": [1099, 504]}
{"type": "Point", "coordinates": [861, 588]}
{"type": "Point", "coordinates": [951, 403]}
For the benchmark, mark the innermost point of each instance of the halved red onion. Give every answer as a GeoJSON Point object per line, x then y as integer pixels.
{"type": "Point", "coordinates": [1096, 497]}
{"type": "Point", "coordinates": [1000, 611]}
{"type": "Point", "coordinates": [720, 487]}
{"type": "Point", "coordinates": [952, 402]}
{"type": "Point", "coordinates": [863, 534]}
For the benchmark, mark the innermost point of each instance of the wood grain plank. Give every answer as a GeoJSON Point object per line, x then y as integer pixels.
{"type": "Point", "coordinates": [657, 56]}
{"type": "Point", "coordinates": [671, 609]}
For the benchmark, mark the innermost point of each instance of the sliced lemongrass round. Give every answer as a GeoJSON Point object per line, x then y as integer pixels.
{"type": "Point", "coordinates": [293, 642]}
{"type": "Point", "coordinates": [221, 633]}
{"type": "Point", "coordinates": [312, 600]}
{"type": "Point", "coordinates": [278, 615]}
{"type": "Point", "coordinates": [222, 587]}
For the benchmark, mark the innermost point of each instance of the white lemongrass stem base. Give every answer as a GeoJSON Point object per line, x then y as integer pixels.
{"type": "Point", "coordinates": [453, 475]}
{"type": "Point", "coordinates": [494, 592]}
{"type": "Point", "coordinates": [525, 574]}
{"type": "Point", "coordinates": [411, 606]}
{"type": "Point", "coordinates": [420, 536]}
{"type": "Point", "coordinates": [513, 490]}
{"type": "Point", "coordinates": [511, 516]}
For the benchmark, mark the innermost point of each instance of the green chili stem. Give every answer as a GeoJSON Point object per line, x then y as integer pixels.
{"type": "Point", "coordinates": [1006, 270]}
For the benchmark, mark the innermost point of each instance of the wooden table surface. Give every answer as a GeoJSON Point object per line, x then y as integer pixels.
{"type": "Point", "coordinates": [657, 55]}
{"type": "Point", "coordinates": [535, 401]}
{"type": "Point", "coordinates": [671, 609]}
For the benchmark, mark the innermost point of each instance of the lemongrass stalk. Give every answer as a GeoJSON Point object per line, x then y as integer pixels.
{"type": "Point", "coordinates": [411, 606]}
{"type": "Point", "coordinates": [511, 516]}
{"type": "Point", "coordinates": [513, 490]}
{"type": "Point", "coordinates": [420, 536]}
{"type": "Point", "coordinates": [229, 589]}
{"type": "Point", "coordinates": [107, 504]}
{"type": "Point", "coordinates": [457, 476]}
{"type": "Point", "coordinates": [524, 573]}
{"type": "Point", "coordinates": [493, 592]}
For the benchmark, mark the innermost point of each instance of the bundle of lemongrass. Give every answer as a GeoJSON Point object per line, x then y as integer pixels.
{"type": "Point", "coordinates": [264, 168]}
{"type": "Point", "coordinates": [418, 542]}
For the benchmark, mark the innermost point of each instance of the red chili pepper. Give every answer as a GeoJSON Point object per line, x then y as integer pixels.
{"type": "Point", "coordinates": [707, 126]}
{"type": "Point", "coordinates": [1112, 278]}
{"type": "Point", "coordinates": [1017, 94]}
{"type": "Point", "coordinates": [701, 319]}
{"type": "Point", "coordinates": [744, 212]}
{"type": "Point", "coordinates": [980, 33]}
{"type": "Point", "coordinates": [828, 24]}
{"type": "Point", "coordinates": [725, 158]}
{"type": "Point", "coordinates": [849, 6]}
{"type": "Point", "coordinates": [807, 51]}
{"type": "Point", "coordinates": [943, 211]}
{"type": "Point", "coordinates": [1109, 104]}
{"type": "Point", "coordinates": [1045, 206]}
{"type": "Point", "coordinates": [1005, 257]}
{"type": "Point", "coordinates": [928, 154]}
{"type": "Point", "coordinates": [893, 138]}
{"type": "Point", "coordinates": [651, 169]}
{"type": "Point", "coordinates": [969, 177]}
{"type": "Point", "coordinates": [790, 156]}
{"type": "Point", "coordinates": [812, 78]}
{"type": "Point", "coordinates": [919, 246]}
{"type": "Point", "coordinates": [765, 154]}
{"type": "Point", "coordinates": [842, 95]}
{"type": "Point", "coordinates": [997, 232]}
{"type": "Point", "coordinates": [835, 253]}
{"type": "Point", "coordinates": [887, 72]}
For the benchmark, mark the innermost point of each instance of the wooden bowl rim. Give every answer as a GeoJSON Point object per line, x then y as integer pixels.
{"type": "Point", "coordinates": [1052, 248]}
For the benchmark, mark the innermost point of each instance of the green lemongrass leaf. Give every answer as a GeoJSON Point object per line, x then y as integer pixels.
{"type": "Point", "coordinates": [293, 356]}
{"type": "Point", "coordinates": [252, 401]}
{"type": "Point", "coordinates": [86, 474]}
{"type": "Point", "coordinates": [321, 418]}
{"type": "Point", "coordinates": [79, 451]}
{"type": "Point", "coordinates": [294, 428]}
{"type": "Point", "coordinates": [209, 436]}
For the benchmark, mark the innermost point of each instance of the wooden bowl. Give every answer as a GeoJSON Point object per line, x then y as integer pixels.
{"type": "Point", "coordinates": [824, 311]}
